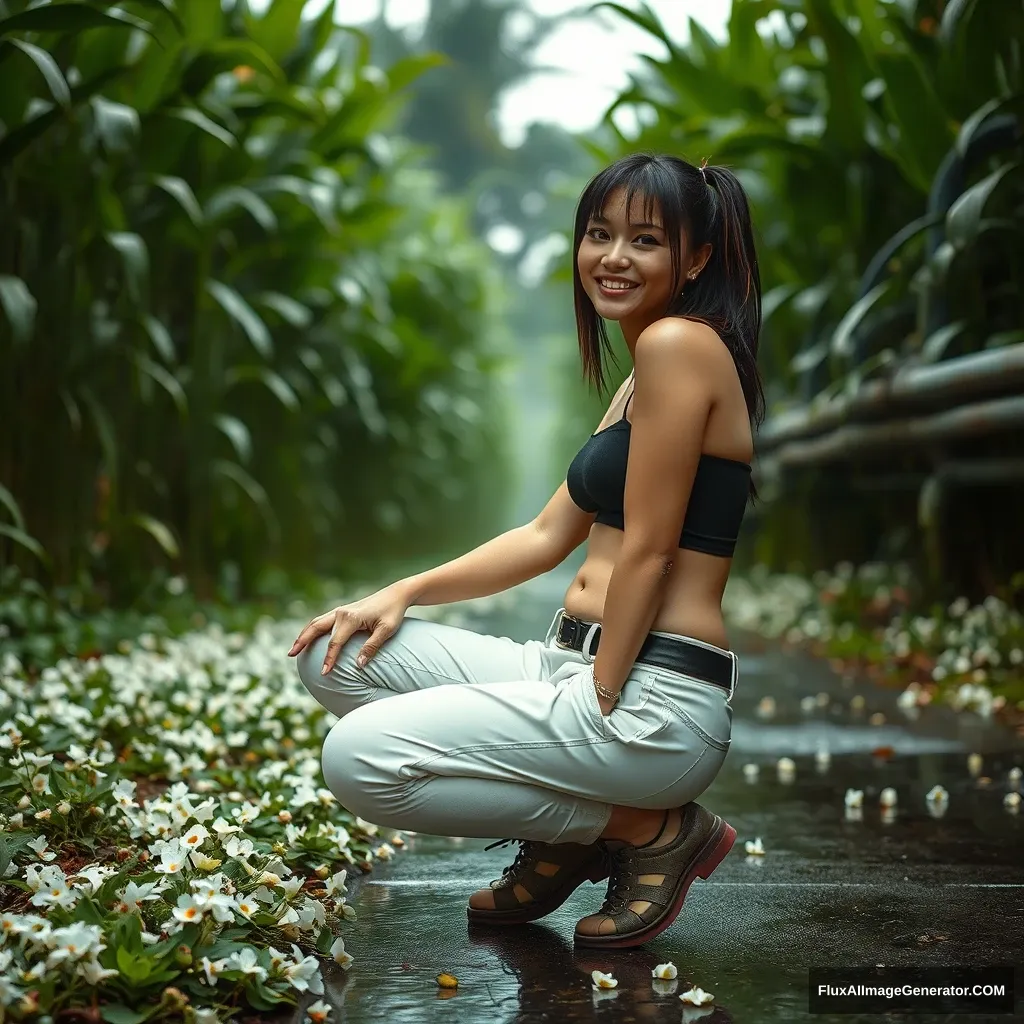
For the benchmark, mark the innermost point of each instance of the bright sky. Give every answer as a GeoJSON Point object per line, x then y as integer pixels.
{"type": "Point", "coordinates": [595, 50]}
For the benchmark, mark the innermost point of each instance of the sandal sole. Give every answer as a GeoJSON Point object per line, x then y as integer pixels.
{"type": "Point", "coordinates": [714, 851]}
{"type": "Point", "coordinates": [536, 909]}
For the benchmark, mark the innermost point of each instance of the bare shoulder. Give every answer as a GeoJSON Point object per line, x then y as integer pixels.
{"type": "Point", "coordinates": [674, 342]}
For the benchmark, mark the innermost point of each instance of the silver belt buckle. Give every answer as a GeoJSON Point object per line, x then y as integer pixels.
{"type": "Point", "coordinates": [558, 629]}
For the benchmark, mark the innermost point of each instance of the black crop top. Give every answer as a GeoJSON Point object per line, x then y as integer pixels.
{"type": "Point", "coordinates": [597, 482]}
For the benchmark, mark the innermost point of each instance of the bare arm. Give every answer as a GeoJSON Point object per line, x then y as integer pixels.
{"type": "Point", "coordinates": [507, 560]}
{"type": "Point", "coordinates": [510, 558]}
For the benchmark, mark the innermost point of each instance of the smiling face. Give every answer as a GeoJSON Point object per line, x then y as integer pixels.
{"type": "Point", "coordinates": [625, 263]}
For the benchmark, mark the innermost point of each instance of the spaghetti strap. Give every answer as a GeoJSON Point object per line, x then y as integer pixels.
{"type": "Point", "coordinates": [626, 407]}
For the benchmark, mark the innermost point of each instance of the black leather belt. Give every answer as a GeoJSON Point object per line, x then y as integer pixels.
{"type": "Point", "coordinates": [673, 653]}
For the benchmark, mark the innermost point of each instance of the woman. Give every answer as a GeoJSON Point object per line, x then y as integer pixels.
{"type": "Point", "coordinates": [591, 746]}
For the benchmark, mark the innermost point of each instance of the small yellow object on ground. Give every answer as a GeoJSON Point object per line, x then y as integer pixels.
{"type": "Point", "coordinates": [447, 981]}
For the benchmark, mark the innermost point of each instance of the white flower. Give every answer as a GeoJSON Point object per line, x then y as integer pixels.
{"type": "Point", "coordinates": [173, 857]}
{"type": "Point", "coordinates": [189, 909]}
{"type": "Point", "coordinates": [93, 973]}
{"type": "Point", "coordinates": [38, 846]}
{"type": "Point", "coordinates": [338, 953]}
{"type": "Point", "coordinates": [887, 798]}
{"type": "Point", "coordinates": [135, 893]}
{"type": "Point", "coordinates": [937, 795]}
{"type": "Point", "coordinates": [244, 960]}
{"type": "Point", "coordinates": [786, 768]}
{"type": "Point", "coordinates": [336, 883]}
{"type": "Point", "coordinates": [1012, 801]}
{"type": "Point", "coordinates": [212, 969]}
{"type": "Point", "coordinates": [1014, 776]}
{"type": "Point", "coordinates": [854, 797]}
{"type": "Point", "coordinates": [194, 837]}
{"type": "Point", "coordinates": [124, 793]}
{"type": "Point", "coordinates": [666, 971]}
{"type": "Point", "coordinates": [74, 942]}
{"type": "Point", "coordinates": [205, 1015]}
{"type": "Point", "coordinates": [766, 707]}
{"type": "Point", "coordinates": [305, 974]}
{"type": "Point", "coordinates": [697, 997]}
{"type": "Point", "coordinates": [602, 980]}
{"type": "Point", "coordinates": [750, 772]}
{"type": "Point", "coordinates": [318, 1012]}
{"type": "Point", "coordinates": [974, 763]}
{"type": "Point", "coordinates": [384, 852]}
{"type": "Point", "coordinates": [754, 849]}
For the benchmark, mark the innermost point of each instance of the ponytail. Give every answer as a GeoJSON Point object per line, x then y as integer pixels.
{"type": "Point", "coordinates": [727, 292]}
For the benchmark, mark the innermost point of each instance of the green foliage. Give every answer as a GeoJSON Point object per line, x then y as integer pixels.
{"type": "Point", "coordinates": [879, 144]}
{"type": "Point", "coordinates": [236, 319]}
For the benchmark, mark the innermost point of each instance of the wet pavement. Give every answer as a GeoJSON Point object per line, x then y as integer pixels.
{"type": "Point", "coordinates": [906, 889]}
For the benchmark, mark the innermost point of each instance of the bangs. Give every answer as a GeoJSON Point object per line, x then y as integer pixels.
{"type": "Point", "coordinates": [658, 190]}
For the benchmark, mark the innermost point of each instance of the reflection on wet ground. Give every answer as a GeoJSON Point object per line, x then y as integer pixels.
{"type": "Point", "coordinates": [920, 884]}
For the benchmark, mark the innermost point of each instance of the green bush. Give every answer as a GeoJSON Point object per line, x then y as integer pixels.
{"type": "Point", "coordinates": [238, 323]}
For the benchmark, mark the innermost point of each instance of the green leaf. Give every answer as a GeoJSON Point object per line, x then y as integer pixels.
{"type": "Point", "coordinates": [274, 382]}
{"type": "Point", "coordinates": [404, 72]}
{"type": "Point", "coordinates": [135, 257]}
{"type": "Point", "coordinates": [235, 197]}
{"type": "Point", "coordinates": [324, 940]}
{"type": "Point", "coordinates": [964, 216]}
{"type": "Point", "coordinates": [197, 118]}
{"type": "Point", "coordinates": [160, 532]}
{"type": "Point", "coordinates": [105, 432]}
{"type": "Point", "coordinates": [27, 542]}
{"type": "Point", "coordinates": [22, 137]}
{"type": "Point", "coordinates": [19, 306]}
{"type": "Point", "coordinates": [116, 1013]}
{"type": "Point", "coordinates": [7, 500]}
{"type": "Point", "coordinates": [160, 336]}
{"type": "Point", "coordinates": [288, 309]}
{"type": "Point", "coordinates": [48, 68]}
{"type": "Point", "coordinates": [934, 346]}
{"type": "Point", "coordinates": [277, 31]}
{"type": "Point", "coordinates": [181, 191]}
{"type": "Point", "coordinates": [842, 339]}
{"type": "Point", "coordinates": [70, 17]}
{"type": "Point", "coordinates": [237, 433]}
{"type": "Point", "coordinates": [845, 73]}
{"type": "Point", "coordinates": [926, 134]}
{"type": "Point", "coordinates": [244, 315]}
{"type": "Point", "coordinates": [162, 376]}
{"type": "Point", "coordinates": [225, 55]}
{"type": "Point", "coordinates": [116, 123]}
{"type": "Point", "coordinates": [253, 490]}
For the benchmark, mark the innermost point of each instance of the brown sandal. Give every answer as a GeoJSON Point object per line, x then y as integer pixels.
{"type": "Point", "coordinates": [569, 864]}
{"type": "Point", "coordinates": [700, 846]}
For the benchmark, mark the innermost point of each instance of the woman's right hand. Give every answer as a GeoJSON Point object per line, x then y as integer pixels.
{"type": "Point", "coordinates": [380, 614]}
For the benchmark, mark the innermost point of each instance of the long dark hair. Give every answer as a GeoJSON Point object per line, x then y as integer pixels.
{"type": "Point", "coordinates": [707, 204]}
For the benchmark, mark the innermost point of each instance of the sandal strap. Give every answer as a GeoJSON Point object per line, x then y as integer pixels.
{"type": "Point", "coordinates": [523, 870]}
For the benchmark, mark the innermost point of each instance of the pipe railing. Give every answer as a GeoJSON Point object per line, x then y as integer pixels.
{"type": "Point", "coordinates": [869, 440]}
{"type": "Point", "coordinates": [910, 387]}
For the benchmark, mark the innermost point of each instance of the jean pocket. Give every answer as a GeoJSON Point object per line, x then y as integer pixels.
{"type": "Point", "coordinates": [634, 717]}
{"type": "Point", "coordinates": [701, 706]}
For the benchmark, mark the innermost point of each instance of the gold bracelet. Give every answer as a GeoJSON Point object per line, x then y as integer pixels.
{"type": "Point", "coordinates": [602, 692]}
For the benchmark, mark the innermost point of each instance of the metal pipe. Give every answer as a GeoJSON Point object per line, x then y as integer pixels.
{"type": "Point", "coordinates": [862, 439]}
{"type": "Point", "coordinates": [960, 378]}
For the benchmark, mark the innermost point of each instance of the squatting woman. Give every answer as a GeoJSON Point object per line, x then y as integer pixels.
{"type": "Point", "coordinates": [591, 746]}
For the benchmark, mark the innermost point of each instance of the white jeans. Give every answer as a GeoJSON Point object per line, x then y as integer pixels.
{"type": "Point", "coordinates": [451, 732]}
